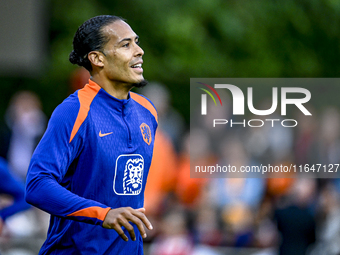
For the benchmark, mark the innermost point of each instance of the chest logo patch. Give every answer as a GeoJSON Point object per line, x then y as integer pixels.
{"type": "Point", "coordinates": [146, 133]}
{"type": "Point", "coordinates": [128, 179]}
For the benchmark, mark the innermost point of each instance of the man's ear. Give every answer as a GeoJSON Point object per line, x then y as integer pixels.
{"type": "Point", "coordinates": [96, 58]}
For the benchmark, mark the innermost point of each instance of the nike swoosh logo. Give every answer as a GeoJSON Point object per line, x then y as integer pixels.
{"type": "Point", "coordinates": [102, 135]}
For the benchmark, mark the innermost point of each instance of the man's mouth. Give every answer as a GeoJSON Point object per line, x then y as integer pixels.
{"type": "Point", "coordinates": [137, 66]}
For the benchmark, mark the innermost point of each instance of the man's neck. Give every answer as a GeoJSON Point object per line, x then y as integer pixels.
{"type": "Point", "coordinates": [117, 90]}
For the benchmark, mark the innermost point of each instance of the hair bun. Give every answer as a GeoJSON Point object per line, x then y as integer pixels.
{"type": "Point", "coordinates": [75, 58]}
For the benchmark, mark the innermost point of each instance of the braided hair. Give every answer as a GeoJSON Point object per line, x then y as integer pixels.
{"type": "Point", "coordinates": [90, 37]}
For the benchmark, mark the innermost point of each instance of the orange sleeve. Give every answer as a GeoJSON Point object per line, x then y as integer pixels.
{"type": "Point", "coordinates": [92, 212]}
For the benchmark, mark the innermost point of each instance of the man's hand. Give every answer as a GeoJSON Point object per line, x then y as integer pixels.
{"type": "Point", "coordinates": [121, 217]}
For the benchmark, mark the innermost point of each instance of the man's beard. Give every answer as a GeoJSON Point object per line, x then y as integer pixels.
{"type": "Point", "coordinates": [140, 84]}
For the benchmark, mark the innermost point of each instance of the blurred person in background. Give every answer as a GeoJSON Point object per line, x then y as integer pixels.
{"type": "Point", "coordinates": [206, 229]}
{"type": "Point", "coordinates": [196, 147]}
{"type": "Point", "coordinates": [295, 218]}
{"type": "Point", "coordinates": [326, 151]}
{"type": "Point", "coordinates": [237, 199]}
{"type": "Point", "coordinates": [328, 144]}
{"type": "Point", "coordinates": [171, 121]}
{"type": "Point", "coordinates": [12, 187]}
{"type": "Point", "coordinates": [328, 234]}
{"type": "Point", "coordinates": [174, 237]}
{"type": "Point", "coordinates": [164, 167]}
{"type": "Point", "coordinates": [162, 172]}
{"type": "Point", "coordinates": [306, 138]}
{"type": "Point", "coordinates": [269, 143]}
{"type": "Point", "coordinates": [26, 122]}
{"type": "Point", "coordinates": [329, 135]}
{"type": "Point", "coordinates": [12, 206]}
{"type": "Point", "coordinates": [162, 177]}
{"type": "Point", "coordinates": [90, 168]}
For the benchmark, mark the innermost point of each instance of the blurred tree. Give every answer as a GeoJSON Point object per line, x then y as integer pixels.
{"type": "Point", "coordinates": [203, 38]}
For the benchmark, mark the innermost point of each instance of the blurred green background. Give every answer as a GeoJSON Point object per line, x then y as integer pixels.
{"type": "Point", "coordinates": [194, 38]}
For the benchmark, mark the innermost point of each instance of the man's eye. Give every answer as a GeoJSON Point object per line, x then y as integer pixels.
{"type": "Point", "coordinates": [126, 45]}
{"type": "Point", "coordinates": [138, 42]}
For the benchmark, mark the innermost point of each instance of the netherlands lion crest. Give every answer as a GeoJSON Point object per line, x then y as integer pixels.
{"type": "Point", "coordinates": [132, 181]}
{"type": "Point", "coordinates": [128, 178]}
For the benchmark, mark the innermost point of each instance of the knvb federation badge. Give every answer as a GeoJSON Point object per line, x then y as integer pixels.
{"type": "Point", "coordinates": [146, 133]}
